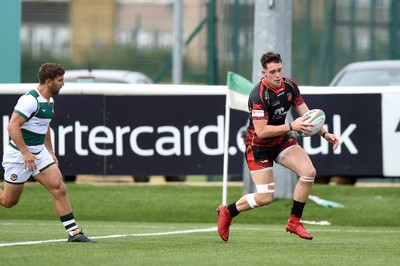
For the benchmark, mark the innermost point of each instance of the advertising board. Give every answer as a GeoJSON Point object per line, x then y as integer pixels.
{"type": "Point", "coordinates": [179, 130]}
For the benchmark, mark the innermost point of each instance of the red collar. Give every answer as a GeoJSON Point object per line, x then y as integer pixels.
{"type": "Point", "coordinates": [276, 90]}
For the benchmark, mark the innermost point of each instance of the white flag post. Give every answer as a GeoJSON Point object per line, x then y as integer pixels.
{"type": "Point", "coordinates": [226, 154]}
{"type": "Point", "coordinates": [237, 95]}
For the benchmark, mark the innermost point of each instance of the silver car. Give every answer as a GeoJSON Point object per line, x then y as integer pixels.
{"type": "Point", "coordinates": [369, 73]}
{"type": "Point", "coordinates": [366, 74]}
{"type": "Point", "coordinates": [105, 76]}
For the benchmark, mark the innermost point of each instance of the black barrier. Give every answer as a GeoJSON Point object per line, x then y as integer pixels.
{"type": "Point", "coordinates": [357, 120]}
{"type": "Point", "coordinates": [181, 135]}
{"type": "Point", "coordinates": [143, 135]}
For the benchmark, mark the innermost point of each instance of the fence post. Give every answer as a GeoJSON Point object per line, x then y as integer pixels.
{"type": "Point", "coordinates": [10, 48]}
{"type": "Point", "coordinates": [277, 37]}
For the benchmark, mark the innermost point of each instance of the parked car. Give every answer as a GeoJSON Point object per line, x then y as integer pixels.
{"type": "Point", "coordinates": [106, 76]}
{"type": "Point", "coordinates": [369, 73]}
{"type": "Point", "coordinates": [366, 74]}
{"type": "Point", "coordinates": [113, 76]}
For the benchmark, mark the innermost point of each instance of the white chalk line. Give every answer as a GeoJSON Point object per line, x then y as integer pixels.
{"type": "Point", "coordinates": [206, 230]}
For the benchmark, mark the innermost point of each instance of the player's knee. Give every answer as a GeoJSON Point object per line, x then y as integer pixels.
{"type": "Point", "coordinates": [10, 203]}
{"type": "Point", "coordinates": [310, 171]}
{"type": "Point", "coordinates": [309, 176]}
{"type": "Point", "coordinates": [307, 180]}
{"type": "Point", "coordinates": [62, 191]}
{"type": "Point", "coordinates": [251, 200]}
{"type": "Point", "coordinates": [262, 199]}
{"type": "Point", "coordinates": [265, 194]}
{"type": "Point", "coordinates": [59, 191]}
{"type": "Point", "coordinates": [265, 199]}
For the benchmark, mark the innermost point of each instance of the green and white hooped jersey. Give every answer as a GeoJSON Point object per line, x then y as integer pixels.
{"type": "Point", "coordinates": [38, 113]}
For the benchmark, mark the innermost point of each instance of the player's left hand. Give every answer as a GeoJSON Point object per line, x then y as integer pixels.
{"type": "Point", "coordinates": [332, 139]}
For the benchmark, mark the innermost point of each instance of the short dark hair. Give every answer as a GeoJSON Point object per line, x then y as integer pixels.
{"type": "Point", "coordinates": [50, 71]}
{"type": "Point", "coordinates": [270, 57]}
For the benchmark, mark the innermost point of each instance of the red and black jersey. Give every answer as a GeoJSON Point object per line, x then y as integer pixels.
{"type": "Point", "coordinates": [271, 104]}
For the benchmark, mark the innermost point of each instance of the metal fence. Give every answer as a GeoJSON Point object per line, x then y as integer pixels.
{"type": "Point", "coordinates": [138, 36]}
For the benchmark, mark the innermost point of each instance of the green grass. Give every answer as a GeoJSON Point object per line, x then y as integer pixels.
{"type": "Point", "coordinates": [365, 232]}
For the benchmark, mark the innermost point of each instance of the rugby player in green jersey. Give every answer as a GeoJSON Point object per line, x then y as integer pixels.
{"type": "Point", "coordinates": [30, 151]}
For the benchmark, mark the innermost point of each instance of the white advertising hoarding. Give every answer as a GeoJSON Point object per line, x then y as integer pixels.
{"type": "Point", "coordinates": [391, 133]}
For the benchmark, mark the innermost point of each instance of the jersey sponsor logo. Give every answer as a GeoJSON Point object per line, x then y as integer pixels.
{"type": "Point", "coordinates": [277, 102]}
{"type": "Point", "coordinates": [257, 113]}
{"type": "Point", "coordinates": [279, 113]}
{"type": "Point", "coordinates": [41, 124]}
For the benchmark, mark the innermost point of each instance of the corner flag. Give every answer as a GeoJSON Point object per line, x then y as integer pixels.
{"type": "Point", "coordinates": [237, 96]}
{"type": "Point", "coordinates": [239, 89]}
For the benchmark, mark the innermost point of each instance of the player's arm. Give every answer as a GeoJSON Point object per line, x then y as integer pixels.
{"type": "Point", "coordinates": [15, 133]}
{"type": "Point", "coordinates": [263, 130]}
{"type": "Point", "coordinates": [331, 138]}
{"type": "Point", "coordinates": [301, 109]}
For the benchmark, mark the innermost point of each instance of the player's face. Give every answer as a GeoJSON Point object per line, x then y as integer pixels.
{"type": "Point", "coordinates": [273, 74]}
{"type": "Point", "coordinates": [56, 84]}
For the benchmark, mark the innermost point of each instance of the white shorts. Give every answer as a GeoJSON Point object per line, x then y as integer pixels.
{"type": "Point", "coordinates": [14, 168]}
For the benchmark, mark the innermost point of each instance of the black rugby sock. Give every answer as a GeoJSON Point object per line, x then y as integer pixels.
{"type": "Point", "coordinates": [233, 210]}
{"type": "Point", "coordinates": [297, 209]}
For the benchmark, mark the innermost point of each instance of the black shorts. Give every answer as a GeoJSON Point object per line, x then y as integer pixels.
{"type": "Point", "coordinates": [259, 158]}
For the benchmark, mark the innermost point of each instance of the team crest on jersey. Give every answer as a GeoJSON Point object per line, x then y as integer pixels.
{"type": "Point", "coordinates": [289, 96]}
{"type": "Point", "coordinates": [13, 177]}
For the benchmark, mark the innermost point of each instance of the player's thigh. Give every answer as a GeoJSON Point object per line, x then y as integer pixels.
{"type": "Point", "coordinates": [297, 160]}
{"type": "Point", "coordinates": [262, 177]}
{"type": "Point", "coordinates": [50, 178]}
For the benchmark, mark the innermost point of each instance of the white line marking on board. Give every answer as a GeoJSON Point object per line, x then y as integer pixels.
{"type": "Point", "coordinates": [212, 229]}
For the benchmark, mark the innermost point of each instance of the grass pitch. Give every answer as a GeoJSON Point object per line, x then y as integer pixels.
{"type": "Point", "coordinates": [176, 225]}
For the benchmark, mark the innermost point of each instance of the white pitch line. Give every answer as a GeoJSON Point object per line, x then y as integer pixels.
{"type": "Point", "coordinates": [212, 229]}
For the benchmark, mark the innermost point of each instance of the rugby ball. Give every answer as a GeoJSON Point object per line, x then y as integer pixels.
{"type": "Point", "coordinates": [316, 117]}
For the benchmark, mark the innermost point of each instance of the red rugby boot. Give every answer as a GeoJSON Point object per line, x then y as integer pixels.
{"type": "Point", "coordinates": [224, 222]}
{"type": "Point", "coordinates": [294, 226]}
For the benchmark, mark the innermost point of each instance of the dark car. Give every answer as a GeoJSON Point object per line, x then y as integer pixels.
{"type": "Point", "coordinates": [369, 73]}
